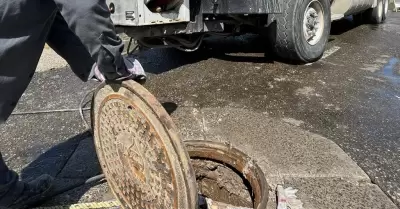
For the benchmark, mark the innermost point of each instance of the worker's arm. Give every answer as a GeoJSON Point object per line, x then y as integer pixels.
{"type": "Point", "coordinates": [90, 21]}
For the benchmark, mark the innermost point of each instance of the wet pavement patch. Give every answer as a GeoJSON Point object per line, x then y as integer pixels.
{"type": "Point", "coordinates": [391, 70]}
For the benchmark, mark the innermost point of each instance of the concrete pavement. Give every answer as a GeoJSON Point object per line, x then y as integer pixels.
{"type": "Point", "coordinates": [325, 176]}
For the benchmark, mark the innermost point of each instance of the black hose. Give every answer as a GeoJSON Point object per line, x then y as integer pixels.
{"type": "Point", "coordinates": [95, 179]}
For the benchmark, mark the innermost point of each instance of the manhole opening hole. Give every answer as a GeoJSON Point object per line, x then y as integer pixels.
{"type": "Point", "coordinates": [222, 183]}
{"type": "Point", "coordinates": [226, 175]}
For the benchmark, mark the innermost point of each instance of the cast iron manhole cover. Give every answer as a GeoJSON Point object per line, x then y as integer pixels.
{"type": "Point", "coordinates": [139, 150]}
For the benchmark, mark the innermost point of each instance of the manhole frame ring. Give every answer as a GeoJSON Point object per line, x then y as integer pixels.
{"type": "Point", "coordinates": [225, 153]}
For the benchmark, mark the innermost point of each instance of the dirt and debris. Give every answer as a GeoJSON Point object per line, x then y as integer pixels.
{"type": "Point", "coordinates": [221, 183]}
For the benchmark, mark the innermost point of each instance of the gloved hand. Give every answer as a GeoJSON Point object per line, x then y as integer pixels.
{"type": "Point", "coordinates": [133, 66]}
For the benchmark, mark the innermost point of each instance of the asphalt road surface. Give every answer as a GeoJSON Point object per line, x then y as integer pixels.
{"type": "Point", "coordinates": [351, 96]}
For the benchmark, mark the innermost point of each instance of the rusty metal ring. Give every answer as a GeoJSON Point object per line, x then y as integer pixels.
{"type": "Point", "coordinates": [233, 157]}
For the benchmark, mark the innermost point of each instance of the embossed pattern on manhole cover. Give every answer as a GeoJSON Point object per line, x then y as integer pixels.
{"type": "Point", "coordinates": [144, 161]}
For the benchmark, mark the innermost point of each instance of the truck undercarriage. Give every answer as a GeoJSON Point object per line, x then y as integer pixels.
{"type": "Point", "coordinates": [297, 29]}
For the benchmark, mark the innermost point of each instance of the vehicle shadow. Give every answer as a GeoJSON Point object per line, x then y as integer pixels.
{"type": "Point", "coordinates": [244, 48]}
{"type": "Point", "coordinates": [344, 25]}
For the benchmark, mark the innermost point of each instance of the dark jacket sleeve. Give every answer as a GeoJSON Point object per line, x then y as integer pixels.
{"type": "Point", "coordinates": [90, 21]}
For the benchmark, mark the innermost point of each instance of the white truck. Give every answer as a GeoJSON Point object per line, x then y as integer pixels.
{"type": "Point", "coordinates": [298, 30]}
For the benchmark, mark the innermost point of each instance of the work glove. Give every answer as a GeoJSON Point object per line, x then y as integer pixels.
{"type": "Point", "coordinates": [134, 68]}
{"type": "Point", "coordinates": [287, 198]}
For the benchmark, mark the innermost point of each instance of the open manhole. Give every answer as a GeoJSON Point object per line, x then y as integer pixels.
{"type": "Point", "coordinates": [227, 175]}
{"type": "Point", "coordinates": [148, 166]}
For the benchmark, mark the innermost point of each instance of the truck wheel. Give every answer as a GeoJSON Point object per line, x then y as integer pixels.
{"type": "Point", "coordinates": [301, 32]}
{"type": "Point", "coordinates": [378, 14]}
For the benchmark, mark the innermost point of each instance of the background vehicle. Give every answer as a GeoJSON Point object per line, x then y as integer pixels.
{"type": "Point", "coordinates": [298, 30]}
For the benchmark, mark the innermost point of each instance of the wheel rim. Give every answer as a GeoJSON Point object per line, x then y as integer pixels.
{"type": "Point", "coordinates": [313, 22]}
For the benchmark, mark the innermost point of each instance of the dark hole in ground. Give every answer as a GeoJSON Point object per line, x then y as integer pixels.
{"type": "Point", "coordinates": [222, 183]}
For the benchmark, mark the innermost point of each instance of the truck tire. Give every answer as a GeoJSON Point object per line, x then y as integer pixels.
{"type": "Point", "coordinates": [301, 31]}
{"type": "Point", "coordinates": [377, 14]}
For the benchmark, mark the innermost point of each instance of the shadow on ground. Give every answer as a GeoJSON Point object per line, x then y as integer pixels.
{"type": "Point", "coordinates": [170, 107]}
{"type": "Point", "coordinates": [79, 163]}
{"type": "Point", "coordinates": [344, 25]}
{"type": "Point", "coordinates": [236, 49]}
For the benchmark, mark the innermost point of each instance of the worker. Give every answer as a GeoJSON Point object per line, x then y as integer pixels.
{"type": "Point", "coordinates": [80, 31]}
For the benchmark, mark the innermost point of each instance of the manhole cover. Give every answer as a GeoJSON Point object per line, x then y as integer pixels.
{"type": "Point", "coordinates": [139, 150]}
